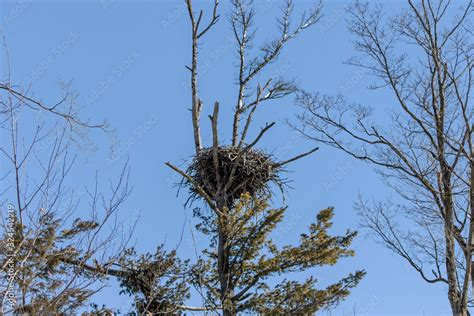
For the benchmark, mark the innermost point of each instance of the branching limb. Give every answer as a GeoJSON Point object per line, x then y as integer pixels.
{"type": "Point", "coordinates": [198, 188]}
{"type": "Point", "coordinates": [196, 106]}
{"type": "Point", "coordinates": [269, 52]}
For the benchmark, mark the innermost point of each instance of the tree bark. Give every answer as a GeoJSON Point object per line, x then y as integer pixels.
{"type": "Point", "coordinates": [223, 253]}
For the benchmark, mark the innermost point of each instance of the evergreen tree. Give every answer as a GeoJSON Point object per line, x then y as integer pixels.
{"type": "Point", "coordinates": [234, 181]}
{"type": "Point", "coordinates": [254, 258]}
{"type": "Point", "coordinates": [157, 282]}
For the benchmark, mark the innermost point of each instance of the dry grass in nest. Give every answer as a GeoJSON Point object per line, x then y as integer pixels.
{"type": "Point", "coordinates": [255, 172]}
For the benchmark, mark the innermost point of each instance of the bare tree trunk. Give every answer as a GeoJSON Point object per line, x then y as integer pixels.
{"type": "Point", "coordinates": [196, 103]}
{"type": "Point", "coordinates": [446, 190]}
{"type": "Point", "coordinates": [470, 263]}
{"type": "Point", "coordinates": [196, 106]}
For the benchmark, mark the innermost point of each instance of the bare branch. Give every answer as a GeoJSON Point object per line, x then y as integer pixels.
{"type": "Point", "coordinates": [298, 157]}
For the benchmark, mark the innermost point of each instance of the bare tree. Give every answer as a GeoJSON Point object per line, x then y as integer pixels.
{"type": "Point", "coordinates": [44, 248]}
{"type": "Point", "coordinates": [426, 153]}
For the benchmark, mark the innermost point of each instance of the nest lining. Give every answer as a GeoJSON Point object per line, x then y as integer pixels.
{"type": "Point", "coordinates": [255, 171]}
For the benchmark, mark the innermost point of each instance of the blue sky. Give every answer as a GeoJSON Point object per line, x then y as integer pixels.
{"type": "Point", "coordinates": [126, 60]}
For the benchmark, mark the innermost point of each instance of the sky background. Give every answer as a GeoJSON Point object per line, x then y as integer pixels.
{"type": "Point", "coordinates": [126, 60]}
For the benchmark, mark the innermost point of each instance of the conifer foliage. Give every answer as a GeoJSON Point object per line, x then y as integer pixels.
{"type": "Point", "coordinates": [156, 281]}
{"type": "Point", "coordinates": [254, 258]}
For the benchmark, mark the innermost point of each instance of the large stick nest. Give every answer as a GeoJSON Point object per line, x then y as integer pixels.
{"type": "Point", "coordinates": [255, 171]}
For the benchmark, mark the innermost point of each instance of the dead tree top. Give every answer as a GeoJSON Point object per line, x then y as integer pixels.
{"type": "Point", "coordinates": [223, 172]}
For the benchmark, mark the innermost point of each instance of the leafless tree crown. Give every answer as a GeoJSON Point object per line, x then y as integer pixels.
{"type": "Point", "coordinates": [424, 57]}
